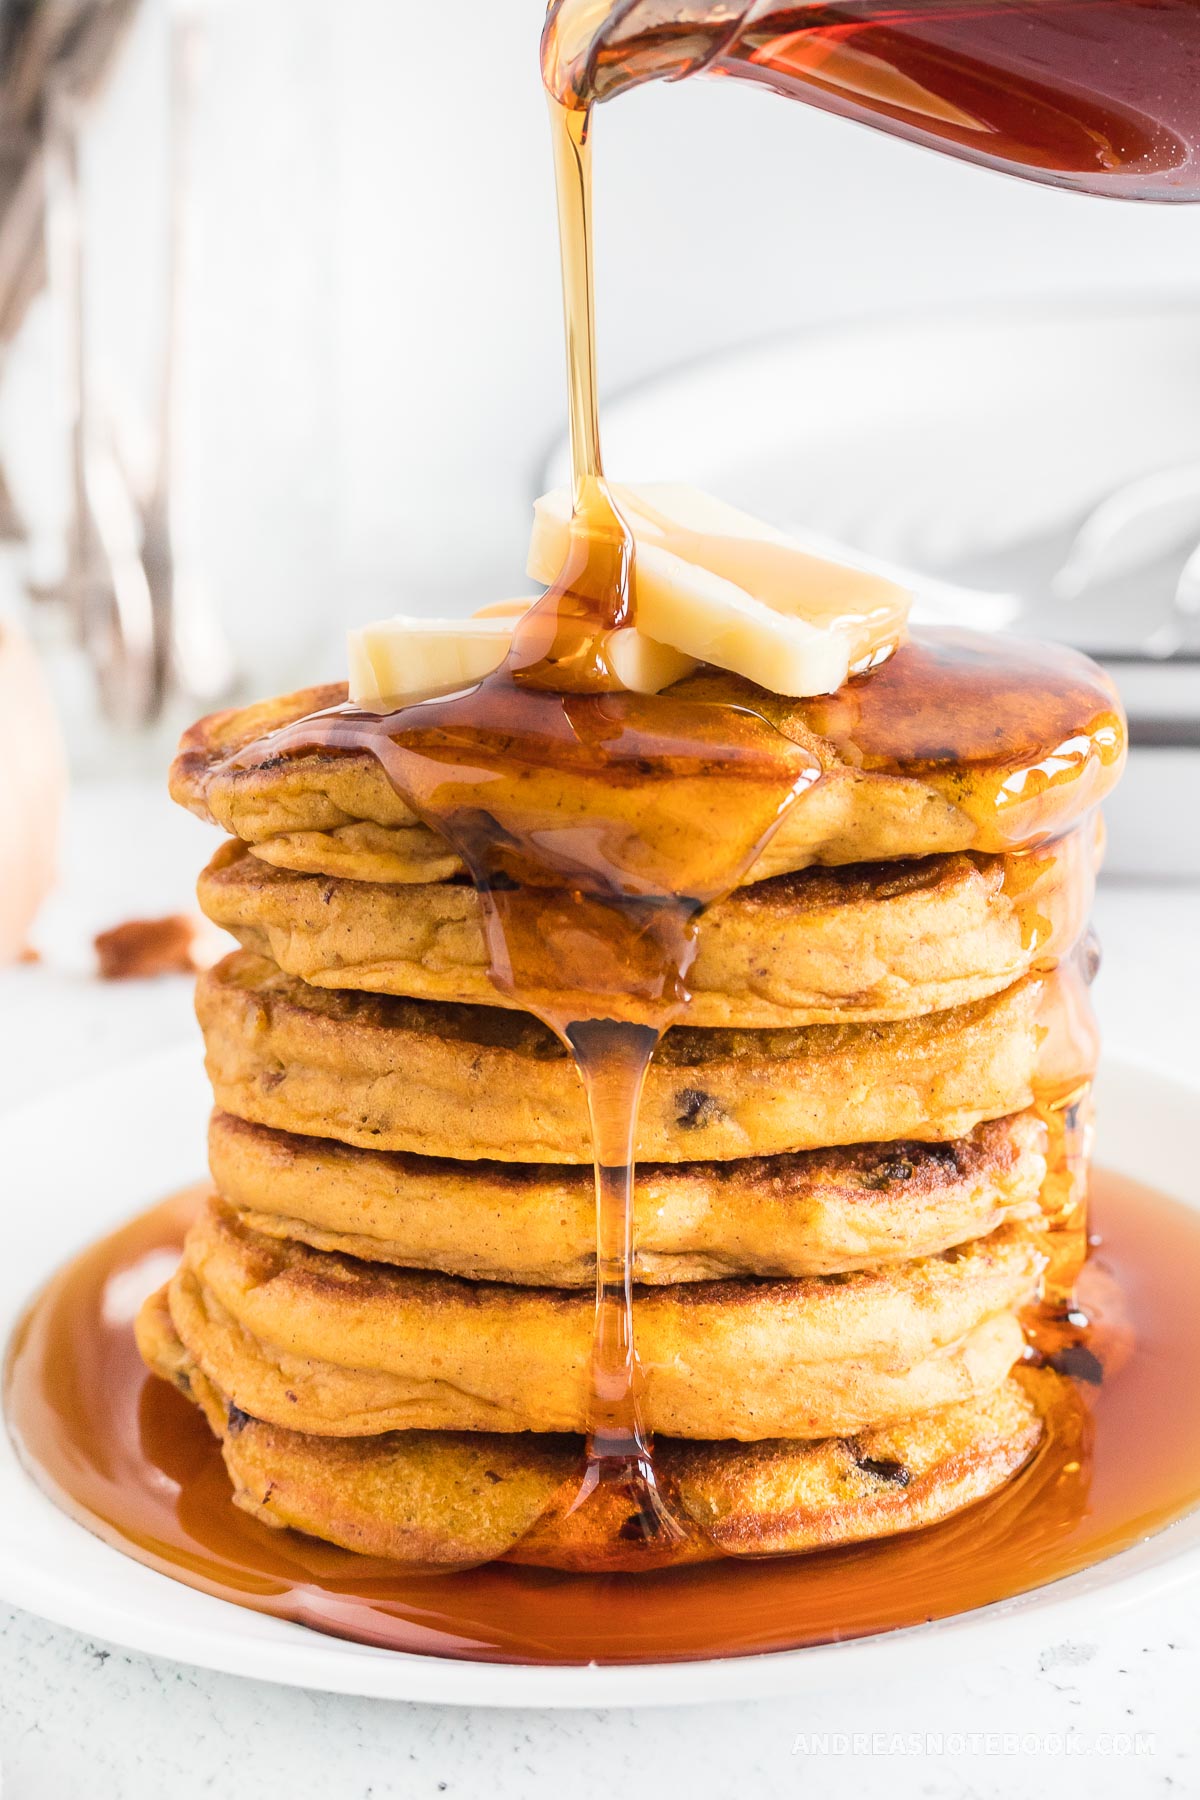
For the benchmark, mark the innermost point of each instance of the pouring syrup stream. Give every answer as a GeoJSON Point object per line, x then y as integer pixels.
{"type": "Point", "coordinates": [654, 929]}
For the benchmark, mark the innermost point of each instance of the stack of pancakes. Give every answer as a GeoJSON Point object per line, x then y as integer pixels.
{"type": "Point", "coordinates": [385, 1311]}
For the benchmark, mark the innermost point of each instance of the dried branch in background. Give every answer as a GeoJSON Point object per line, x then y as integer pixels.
{"type": "Point", "coordinates": [67, 45]}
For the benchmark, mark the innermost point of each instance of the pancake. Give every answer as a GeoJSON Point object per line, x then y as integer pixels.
{"type": "Point", "coordinates": [1041, 725]}
{"type": "Point", "coordinates": [884, 941]}
{"type": "Point", "coordinates": [440, 1498]}
{"type": "Point", "coordinates": [465, 1082]}
{"type": "Point", "coordinates": [329, 1345]}
{"type": "Point", "coordinates": [820, 1212]}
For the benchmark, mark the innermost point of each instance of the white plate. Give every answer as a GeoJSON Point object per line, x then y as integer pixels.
{"type": "Point", "coordinates": [76, 1164]}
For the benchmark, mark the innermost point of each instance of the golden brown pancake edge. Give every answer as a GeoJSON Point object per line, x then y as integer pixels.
{"type": "Point", "coordinates": [340, 1347]}
{"type": "Point", "coordinates": [337, 813]}
{"type": "Point", "coordinates": [817, 1212]}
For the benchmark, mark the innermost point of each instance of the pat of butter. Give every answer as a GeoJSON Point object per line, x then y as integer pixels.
{"type": "Point", "coordinates": [403, 659]}
{"type": "Point", "coordinates": [718, 585]}
{"type": "Point", "coordinates": [711, 584]}
{"type": "Point", "coordinates": [642, 664]}
{"type": "Point", "coordinates": [715, 621]}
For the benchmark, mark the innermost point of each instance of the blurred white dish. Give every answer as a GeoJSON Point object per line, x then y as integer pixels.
{"type": "Point", "coordinates": [931, 436]}
{"type": "Point", "coordinates": [948, 442]}
{"type": "Point", "coordinates": [138, 1133]}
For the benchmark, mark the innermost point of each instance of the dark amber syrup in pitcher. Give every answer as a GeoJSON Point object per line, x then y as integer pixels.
{"type": "Point", "coordinates": [1098, 95]}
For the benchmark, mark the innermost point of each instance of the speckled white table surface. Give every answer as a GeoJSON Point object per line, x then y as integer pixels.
{"type": "Point", "coordinates": [1110, 1712]}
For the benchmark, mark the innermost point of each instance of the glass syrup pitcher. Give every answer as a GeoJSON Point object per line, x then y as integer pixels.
{"type": "Point", "coordinates": [1098, 95]}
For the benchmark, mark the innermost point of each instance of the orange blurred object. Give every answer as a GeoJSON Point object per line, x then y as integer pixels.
{"type": "Point", "coordinates": [33, 787]}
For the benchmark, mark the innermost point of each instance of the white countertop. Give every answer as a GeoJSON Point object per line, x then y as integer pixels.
{"type": "Point", "coordinates": [1063, 1718]}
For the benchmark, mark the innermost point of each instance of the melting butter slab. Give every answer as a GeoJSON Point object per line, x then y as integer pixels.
{"type": "Point", "coordinates": [414, 657]}
{"type": "Point", "coordinates": [731, 590]}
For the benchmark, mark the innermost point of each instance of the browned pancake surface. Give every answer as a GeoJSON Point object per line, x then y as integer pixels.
{"type": "Point", "coordinates": [332, 1345]}
{"type": "Point", "coordinates": [900, 792]}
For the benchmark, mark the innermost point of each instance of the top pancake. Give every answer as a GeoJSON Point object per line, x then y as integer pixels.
{"type": "Point", "coordinates": [951, 745]}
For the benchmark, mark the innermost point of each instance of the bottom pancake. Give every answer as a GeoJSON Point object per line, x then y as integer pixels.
{"type": "Point", "coordinates": [439, 1499]}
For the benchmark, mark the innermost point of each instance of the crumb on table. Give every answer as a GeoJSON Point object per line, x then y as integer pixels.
{"type": "Point", "coordinates": [142, 947]}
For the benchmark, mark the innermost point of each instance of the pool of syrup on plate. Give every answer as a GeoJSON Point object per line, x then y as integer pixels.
{"type": "Point", "coordinates": [131, 1459]}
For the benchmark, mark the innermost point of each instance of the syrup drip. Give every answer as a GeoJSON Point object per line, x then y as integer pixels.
{"type": "Point", "coordinates": [645, 914]}
{"type": "Point", "coordinates": [131, 1459]}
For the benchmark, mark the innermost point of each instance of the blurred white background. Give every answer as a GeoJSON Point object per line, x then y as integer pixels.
{"type": "Point", "coordinates": [372, 358]}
